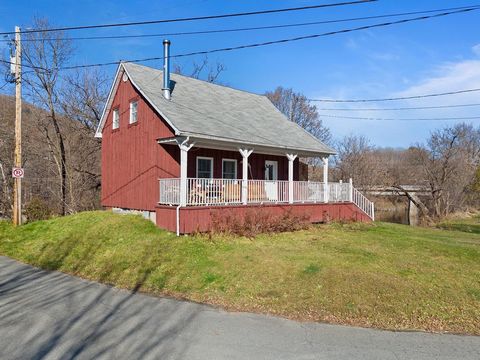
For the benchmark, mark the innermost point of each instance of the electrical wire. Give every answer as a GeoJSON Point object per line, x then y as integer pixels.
{"type": "Point", "coordinates": [25, 65]}
{"type": "Point", "coordinates": [3, 86]}
{"type": "Point", "coordinates": [281, 26]}
{"type": "Point", "coordinates": [205, 52]}
{"type": "Point", "coordinates": [399, 119]}
{"type": "Point", "coordinates": [302, 38]}
{"type": "Point", "coordinates": [395, 98]}
{"type": "Point", "coordinates": [282, 41]}
{"type": "Point", "coordinates": [197, 18]}
{"type": "Point", "coordinates": [401, 108]}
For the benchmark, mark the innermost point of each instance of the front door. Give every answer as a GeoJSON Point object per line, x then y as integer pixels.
{"type": "Point", "coordinates": [271, 177]}
{"type": "Point", "coordinates": [271, 170]}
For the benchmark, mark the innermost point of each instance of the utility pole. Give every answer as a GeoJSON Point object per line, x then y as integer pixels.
{"type": "Point", "coordinates": [17, 190]}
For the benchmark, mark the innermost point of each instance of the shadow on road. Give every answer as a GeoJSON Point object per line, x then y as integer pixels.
{"type": "Point", "coordinates": [52, 315]}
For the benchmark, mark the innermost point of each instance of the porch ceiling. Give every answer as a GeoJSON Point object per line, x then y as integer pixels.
{"type": "Point", "coordinates": [205, 141]}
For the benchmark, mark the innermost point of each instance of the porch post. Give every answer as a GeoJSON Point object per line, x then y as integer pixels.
{"type": "Point", "coordinates": [245, 154]}
{"type": "Point", "coordinates": [325, 179]}
{"type": "Point", "coordinates": [291, 158]}
{"type": "Point", "coordinates": [350, 190]}
{"type": "Point", "coordinates": [184, 147]}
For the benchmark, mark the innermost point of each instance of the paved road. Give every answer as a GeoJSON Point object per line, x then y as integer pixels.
{"type": "Point", "coordinates": [49, 315]}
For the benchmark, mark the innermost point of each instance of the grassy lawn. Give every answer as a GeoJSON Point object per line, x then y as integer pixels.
{"type": "Point", "coordinates": [470, 224]}
{"type": "Point", "coordinates": [382, 275]}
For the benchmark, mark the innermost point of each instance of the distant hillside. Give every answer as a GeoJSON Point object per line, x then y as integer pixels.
{"type": "Point", "coordinates": [40, 160]}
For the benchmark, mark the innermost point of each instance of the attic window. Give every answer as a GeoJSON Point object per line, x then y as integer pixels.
{"type": "Point", "coordinates": [116, 119]}
{"type": "Point", "coordinates": [133, 111]}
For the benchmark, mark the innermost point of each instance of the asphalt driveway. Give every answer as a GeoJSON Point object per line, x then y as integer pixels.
{"type": "Point", "coordinates": [50, 315]}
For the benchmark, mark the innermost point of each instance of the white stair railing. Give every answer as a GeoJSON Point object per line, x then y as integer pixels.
{"type": "Point", "coordinates": [363, 203]}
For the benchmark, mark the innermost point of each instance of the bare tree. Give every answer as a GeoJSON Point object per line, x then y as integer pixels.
{"type": "Point", "coordinates": [58, 141]}
{"type": "Point", "coordinates": [45, 53]}
{"type": "Point", "coordinates": [202, 70]}
{"type": "Point", "coordinates": [296, 107]}
{"type": "Point", "coordinates": [355, 160]}
{"type": "Point", "coordinates": [84, 95]}
{"type": "Point", "coordinates": [449, 161]}
{"type": "Point", "coordinates": [6, 152]}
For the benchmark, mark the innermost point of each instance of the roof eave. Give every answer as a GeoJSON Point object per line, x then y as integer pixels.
{"type": "Point", "coordinates": [219, 143]}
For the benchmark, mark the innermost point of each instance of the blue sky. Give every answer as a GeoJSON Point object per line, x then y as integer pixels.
{"type": "Point", "coordinates": [428, 56]}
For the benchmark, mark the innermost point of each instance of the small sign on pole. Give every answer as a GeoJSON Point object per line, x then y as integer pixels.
{"type": "Point", "coordinates": [13, 65]}
{"type": "Point", "coordinates": [17, 172]}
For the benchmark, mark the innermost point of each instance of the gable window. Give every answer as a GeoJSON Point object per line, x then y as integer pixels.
{"type": "Point", "coordinates": [204, 167]}
{"type": "Point", "coordinates": [133, 111]}
{"type": "Point", "coordinates": [116, 119]}
{"type": "Point", "coordinates": [229, 168]}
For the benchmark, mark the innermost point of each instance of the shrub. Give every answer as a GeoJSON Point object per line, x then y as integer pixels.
{"type": "Point", "coordinates": [37, 209]}
{"type": "Point", "coordinates": [257, 221]}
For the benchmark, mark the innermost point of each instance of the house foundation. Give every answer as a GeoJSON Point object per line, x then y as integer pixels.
{"type": "Point", "coordinates": [200, 218]}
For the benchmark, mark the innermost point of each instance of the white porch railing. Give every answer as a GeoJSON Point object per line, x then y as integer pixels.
{"type": "Point", "coordinates": [207, 192]}
{"type": "Point", "coordinates": [267, 191]}
{"type": "Point", "coordinates": [169, 191]}
{"type": "Point", "coordinates": [213, 191]}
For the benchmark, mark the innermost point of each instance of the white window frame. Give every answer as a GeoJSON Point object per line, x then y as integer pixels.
{"type": "Point", "coordinates": [115, 118]}
{"type": "Point", "coordinates": [236, 169]}
{"type": "Point", "coordinates": [132, 121]}
{"type": "Point", "coordinates": [205, 158]}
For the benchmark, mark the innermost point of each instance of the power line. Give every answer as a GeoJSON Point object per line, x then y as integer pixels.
{"type": "Point", "coordinates": [401, 108]}
{"type": "Point", "coordinates": [205, 52]}
{"type": "Point", "coordinates": [395, 98]}
{"type": "Point", "coordinates": [24, 65]}
{"type": "Point", "coordinates": [197, 18]}
{"type": "Point", "coordinates": [202, 32]}
{"type": "Point", "coordinates": [399, 119]}
{"type": "Point", "coordinates": [342, 31]}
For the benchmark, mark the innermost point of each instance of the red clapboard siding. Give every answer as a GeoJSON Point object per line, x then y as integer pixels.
{"type": "Point", "coordinates": [132, 160]}
{"type": "Point", "coordinates": [193, 219]}
{"type": "Point", "coordinates": [256, 161]}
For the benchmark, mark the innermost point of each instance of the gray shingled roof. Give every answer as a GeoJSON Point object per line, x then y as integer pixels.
{"type": "Point", "coordinates": [200, 108]}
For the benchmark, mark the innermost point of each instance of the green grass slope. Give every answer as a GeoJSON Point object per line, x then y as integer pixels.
{"type": "Point", "coordinates": [382, 275]}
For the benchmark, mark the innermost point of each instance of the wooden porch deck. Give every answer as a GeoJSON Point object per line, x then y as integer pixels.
{"type": "Point", "coordinates": [199, 218]}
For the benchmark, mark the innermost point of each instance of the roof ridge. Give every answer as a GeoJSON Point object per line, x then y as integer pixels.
{"type": "Point", "coordinates": [222, 111]}
{"type": "Point", "coordinates": [195, 79]}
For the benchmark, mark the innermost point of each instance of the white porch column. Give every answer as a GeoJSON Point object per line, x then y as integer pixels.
{"type": "Point", "coordinates": [245, 154]}
{"type": "Point", "coordinates": [184, 147]}
{"type": "Point", "coordinates": [291, 158]}
{"type": "Point", "coordinates": [325, 179]}
{"type": "Point", "coordinates": [350, 190]}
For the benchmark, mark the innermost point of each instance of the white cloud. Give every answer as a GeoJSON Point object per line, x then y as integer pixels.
{"type": "Point", "coordinates": [476, 49]}
{"type": "Point", "coordinates": [448, 77]}
{"type": "Point", "coordinates": [452, 76]}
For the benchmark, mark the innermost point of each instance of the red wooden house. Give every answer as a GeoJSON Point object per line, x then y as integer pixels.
{"type": "Point", "coordinates": [181, 149]}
